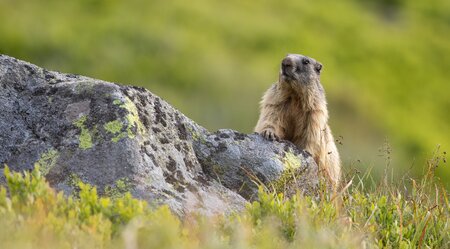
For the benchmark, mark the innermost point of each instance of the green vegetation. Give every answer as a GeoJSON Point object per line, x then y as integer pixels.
{"type": "Point", "coordinates": [385, 61]}
{"type": "Point", "coordinates": [414, 214]}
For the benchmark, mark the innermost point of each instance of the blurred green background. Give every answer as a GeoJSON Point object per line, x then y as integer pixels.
{"type": "Point", "coordinates": [386, 63]}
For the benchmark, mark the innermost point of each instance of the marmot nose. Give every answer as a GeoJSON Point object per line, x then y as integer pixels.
{"type": "Point", "coordinates": [286, 63]}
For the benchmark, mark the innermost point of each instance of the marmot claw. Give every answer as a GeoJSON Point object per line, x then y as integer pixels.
{"type": "Point", "coordinates": [270, 135]}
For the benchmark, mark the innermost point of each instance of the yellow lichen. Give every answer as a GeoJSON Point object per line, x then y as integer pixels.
{"type": "Point", "coordinates": [118, 189]}
{"type": "Point", "coordinates": [117, 102]}
{"type": "Point", "coordinates": [113, 126]}
{"type": "Point", "coordinates": [47, 161]}
{"type": "Point", "coordinates": [132, 118]}
{"type": "Point", "coordinates": [85, 139]}
{"type": "Point", "coordinates": [291, 161]}
{"type": "Point", "coordinates": [131, 122]}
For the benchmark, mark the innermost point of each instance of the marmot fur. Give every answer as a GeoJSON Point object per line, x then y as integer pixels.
{"type": "Point", "coordinates": [295, 109]}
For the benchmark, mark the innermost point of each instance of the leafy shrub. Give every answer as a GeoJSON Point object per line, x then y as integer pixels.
{"type": "Point", "coordinates": [35, 213]}
{"type": "Point", "coordinates": [415, 216]}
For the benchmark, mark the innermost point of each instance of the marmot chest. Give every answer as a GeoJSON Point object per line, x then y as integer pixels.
{"type": "Point", "coordinates": [293, 119]}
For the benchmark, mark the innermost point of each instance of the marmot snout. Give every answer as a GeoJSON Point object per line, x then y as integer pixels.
{"type": "Point", "coordinates": [295, 109]}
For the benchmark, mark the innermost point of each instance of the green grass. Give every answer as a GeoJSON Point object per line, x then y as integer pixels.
{"type": "Point", "coordinates": [385, 62]}
{"type": "Point", "coordinates": [410, 214]}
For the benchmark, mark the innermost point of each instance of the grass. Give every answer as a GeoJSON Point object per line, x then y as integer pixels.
{"type": "Point", "coordinates": [413, 213]}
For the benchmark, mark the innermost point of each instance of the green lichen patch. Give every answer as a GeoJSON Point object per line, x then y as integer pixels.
{"type": "Point", "coordinates": [128, 126]}
{"type": "Point", "coordinates": [85, 139]}
{"type": "Point", "coordinates": [113, 126]}
{"type": "Point", "coordinates": [133, 119]}
{"type": "Point", "coordinates": [118, 189]}
{"type": "Point", "coordinates": [291, 161]}
{"type": "Point", "coordinates": [118, 137]}
{"type": "Point", "coordinates": [132, 123]}
{"type": "Point", "coordinates": [80, 122]}
{"type": "Point", "coordinates": [47, 161]}
{"type": "Point", "coordinates": [117, 102]}
{"type": "Point", "coordinates": [74, 180]}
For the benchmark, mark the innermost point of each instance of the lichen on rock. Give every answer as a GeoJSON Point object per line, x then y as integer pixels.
{"type": "Point", "coordinates": [47, 161]}
{"type": "Point", "coordinates": [132, 119]}
{"type": "Point", "coordinates": [115, 128]}
{"type": "Point", "coordinates": [291, 161]}
{"type": "Point", "coordinates": [126, 139]}
{"type": "Point", "coordinates": [118, 189]}
{"type": "Point", "coordinates": [85, 139]}
{"type": "Point", "coordinates": [131, 122]}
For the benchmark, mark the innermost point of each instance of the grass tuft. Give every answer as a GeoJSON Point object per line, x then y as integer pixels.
{"type": "Point", "coordinates": [412, 215]}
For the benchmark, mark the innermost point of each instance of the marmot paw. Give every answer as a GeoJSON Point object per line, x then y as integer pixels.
{"type": "Point", "coordinates": [270, 135]}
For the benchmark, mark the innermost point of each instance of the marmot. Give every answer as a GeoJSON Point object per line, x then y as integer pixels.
{"type": "Point", "coordinates": [295, 109]}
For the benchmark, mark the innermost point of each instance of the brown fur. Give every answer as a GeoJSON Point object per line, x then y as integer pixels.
{"type": "Point", "coordinates": [295, 109]}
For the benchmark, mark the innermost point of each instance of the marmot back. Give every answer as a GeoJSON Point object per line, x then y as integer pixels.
{"type": "Point", "coordinates": [295, 109]}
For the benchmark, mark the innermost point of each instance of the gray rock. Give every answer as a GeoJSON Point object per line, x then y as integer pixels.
{"type": "Point", "coordinates": [243, 162]}
{"type": "Point", "coordinates": [121, 138]}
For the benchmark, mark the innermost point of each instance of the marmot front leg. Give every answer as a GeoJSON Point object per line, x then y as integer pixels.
{"type": "Point", "coordinates": [269, 123]}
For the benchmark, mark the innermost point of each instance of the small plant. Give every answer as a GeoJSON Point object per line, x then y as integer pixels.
{"type": "Point", "coordinates": [414, 216]}
{"type": "Point", "coordinates": [28, 206]}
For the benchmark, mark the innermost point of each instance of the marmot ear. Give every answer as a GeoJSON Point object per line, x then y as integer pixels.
{"type": "Point", "coordinates": [318, 67]}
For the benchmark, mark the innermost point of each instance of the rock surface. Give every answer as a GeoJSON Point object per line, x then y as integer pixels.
{"type": "Point", "coordinates": [122, 138]}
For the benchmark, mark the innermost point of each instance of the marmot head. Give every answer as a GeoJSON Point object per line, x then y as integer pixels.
{"type": "Point", "coordinates": [300, 71]}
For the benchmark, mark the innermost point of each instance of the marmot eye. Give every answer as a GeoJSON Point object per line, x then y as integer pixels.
{"type": "Point", "coordinates": [305, 61]}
